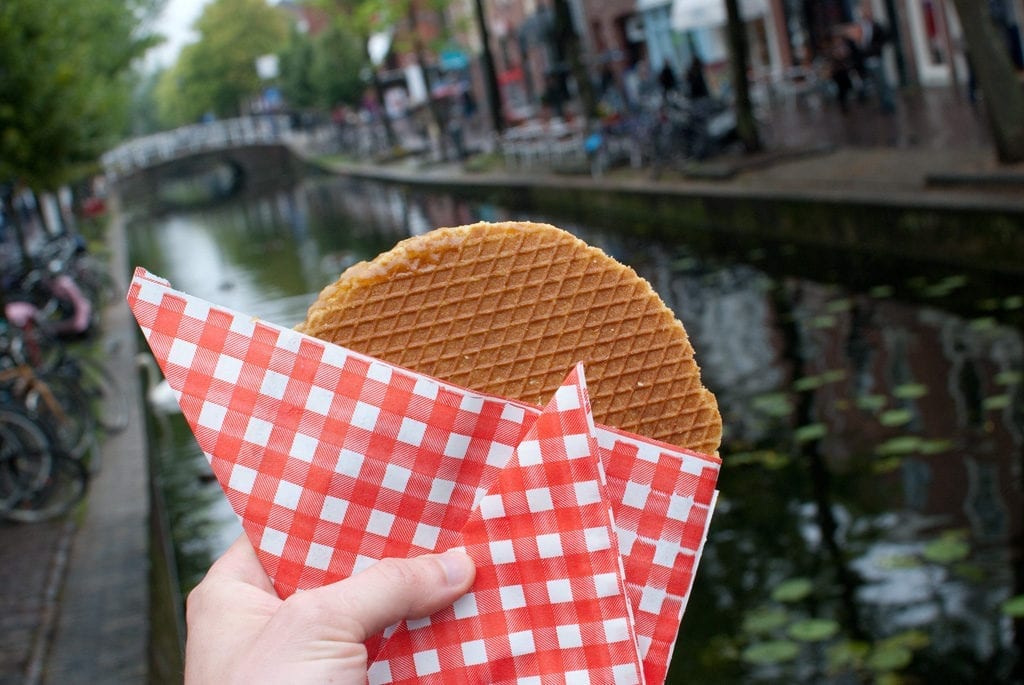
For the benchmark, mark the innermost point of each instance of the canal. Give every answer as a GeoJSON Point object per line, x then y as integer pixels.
{"type": "Point", "coordinates": [871, 519]}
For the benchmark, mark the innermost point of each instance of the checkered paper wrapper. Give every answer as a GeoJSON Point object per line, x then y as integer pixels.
{"type": "Point", "coordinates": [586, 538]}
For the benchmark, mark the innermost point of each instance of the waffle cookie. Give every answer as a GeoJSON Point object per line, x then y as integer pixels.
{"type": "Point", "coordinates": [508, 308]}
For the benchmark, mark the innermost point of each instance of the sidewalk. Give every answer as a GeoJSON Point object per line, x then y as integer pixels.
{"type": "Point", "coordinates": [936, 148]}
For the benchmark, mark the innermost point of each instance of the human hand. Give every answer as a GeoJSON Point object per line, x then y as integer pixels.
{"type": "Point", "coordinates": [240, 631]}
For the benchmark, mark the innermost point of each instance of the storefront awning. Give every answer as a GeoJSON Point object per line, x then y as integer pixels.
{"type": "Point", "coordinates": [699, 14]}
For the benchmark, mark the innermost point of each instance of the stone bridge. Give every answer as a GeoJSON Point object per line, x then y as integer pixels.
{"type": "Point", "coordinates": [203, 162]}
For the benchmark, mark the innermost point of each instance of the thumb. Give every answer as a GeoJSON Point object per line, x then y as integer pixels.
{"type": "Point", "coordinates": [393, 590]}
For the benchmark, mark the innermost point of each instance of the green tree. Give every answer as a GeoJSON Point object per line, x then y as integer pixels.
{"type": "Point", "coordinates": [65, 83]}
{"type": "Point", "coordinates": [297, 83]}
{"type": "Point", "coordinates": [323, 71]}
{"type": "Point", "coordinates": [217, 73]}
{"type": "Point", "coordinates": [338, 62]}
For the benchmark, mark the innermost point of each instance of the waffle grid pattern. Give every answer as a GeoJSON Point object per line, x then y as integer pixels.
{"type": "Point", "coordinates": [333, 459]}
{"type": "Point", "coordinates": [506, 310]}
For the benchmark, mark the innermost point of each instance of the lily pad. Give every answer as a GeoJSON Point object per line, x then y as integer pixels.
{"type": "Point", "coordinates": [792, 590]}
{"type": "Point", "coordinates": [774, 652]}
{"type": "Point", "coordinates": [810, 433]}
{"type": "Point", "coordinates": [985, 323]}
{"type": "Point", "coordinates": [996, 402]}
{"type": "Point", "coordinates": [881, 291]}
{"type": "Point", "coordinates": [903, 444]}
{"type": "Point", "coordinates": [887, 464]}
{"type": "Point", "coordinates": [813, 630]}
{"type": "Point", "coordinates": [1013, 607]}
{"type": "Point", "coordinates": [895, 562]}
{"type": "Point", "coordinates": [1013, 302]}
{"type": "Point", "coordinates": [823, 321]}
{"type": "Point", "coordinates": [910, 391]}
{"type": "Point", "coordinates": [847, 654]}
{"type": "Point", "coordinates": [896, 417]}
{"type": "Point", "coordinates": [837, 306]}
{"type": "Point", "coordinates": [777, 404]}
{"type": "Point", "coordinates": [889, 657]}
{"type": "Point", "coordinates": [769, 459]}
{"type": "Point", "coordinates": [946, 550]}
{"type": "Point", "coordinates": [872, 402]}
{"type": "Point", "coordinates": [765, 620]}
{"type": "Point", "coordinates": [936, 446]}
{"type": "Point", "coordinates": [1009, 377]}
{"type": "Point", "coordinates": [808, 383]}
{"type": "Point", "coordinates": [911, 639]}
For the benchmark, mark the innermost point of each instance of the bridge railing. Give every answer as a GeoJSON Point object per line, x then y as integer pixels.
{"type": "Point", "coordinates": [147, 151]}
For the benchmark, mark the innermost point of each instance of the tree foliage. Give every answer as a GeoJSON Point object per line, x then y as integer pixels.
{"type": "Point", "coordinates": [65, 82]}
{"type": "Point", "coordinates": [217, 74]}
{"type": "Point", "coordinates": [324, 70]}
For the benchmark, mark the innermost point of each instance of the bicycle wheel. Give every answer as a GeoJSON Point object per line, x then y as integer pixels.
{"type": "Point", "coordinates": [63, 489]}
{"type": "Point", "coordinates": [71, 421]}
{"type": "Point", "coordinates": [103, 387]}
{"type": "Point", "coordinates": [26, 460]}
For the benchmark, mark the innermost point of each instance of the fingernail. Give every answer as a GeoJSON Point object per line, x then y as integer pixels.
{"type": "Point", "coordinates": [457, 566]}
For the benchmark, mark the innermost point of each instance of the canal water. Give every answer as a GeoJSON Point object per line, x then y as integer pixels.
{"type": "Point", "coordinates": [871, 516]}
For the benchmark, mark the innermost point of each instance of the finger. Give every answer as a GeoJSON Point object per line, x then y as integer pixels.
{"type": "Point", "coordinates": [240, 563]}
{"type": "Point", "coordinates": [391, 590]}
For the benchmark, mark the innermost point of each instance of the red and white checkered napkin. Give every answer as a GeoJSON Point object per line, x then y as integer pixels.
{"type": "Point", "coordinates": [586, 538]}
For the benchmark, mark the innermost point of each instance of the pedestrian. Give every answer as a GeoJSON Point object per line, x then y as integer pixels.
{"type": "Point", "coordinates": [695, 82]}
{"type": "Point", "coordinates": [554, 96]}
{"type": "Point", "coordinates": [240, 631]}
{"type": "Point", "coordinates": [871, 38]}
{"type": "Point", "coordinates": [667, 79]}
{"type": "Point", "coordinates": [841, 66]}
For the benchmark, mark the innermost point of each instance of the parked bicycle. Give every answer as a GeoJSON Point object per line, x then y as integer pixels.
{"type": "Point", "coordinates": [37, 480]}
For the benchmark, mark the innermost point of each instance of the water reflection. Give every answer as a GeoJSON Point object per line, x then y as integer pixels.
{"type": "Point", "coordinates": [871, 499]}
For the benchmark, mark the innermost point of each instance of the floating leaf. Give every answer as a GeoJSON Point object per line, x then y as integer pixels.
{"type": "Point", "coordinates": [1013, 607]}
{"type": "Point", "coordinates": [765, 620]}
{"type": "Point", "coordinates": [792, 590]}
{"type": "Point", "coordinates": [996, 402]}
{"type": "Point", "coordinates": [775, 404]}
{"type": "Point", "coordinates": [813, 630]}
{"type": "Point", "coordinates": [895, 562]}
{"type": "Point", "coordinates": [911, 639]}
{"type": "Point", "coordinates": [774, 652]}
{"type": "Point", "coordinates": [936, 446]}
{"type": "Point", "coordinates": [837, 306]}
{"type": "Point", "coordinates": [881, 291]}
{"type": "Point", "coordinates": [770, 459]}
{"type": "Point", "coordinates": [910, 391]}
{"type": "Point", "coordinates": [946, 550]}
{"type": "Point", "coordinates": [833, 376]}
{"type": "Point", "coordinates": [896, 417]}
{"type": "Point", "coordinates": [847, 654]}
{"type": "Point", "coordinates": [872, 402]}
{"type": "Point", "coordinates": [808, 383]}
{"type": "Point", "coordinates": [823, 321]}
{"type": "Point", "coordinates": [986, 323]}
{"type": "Point", "coordinates": [904, 444]}
{"type": "Point", "coordinates": [1009, 377]}
{"type": "Point", "coordinates": [810, 433]}
{"type": "Point", "coordinates": [988, 304]}
{"type": "Point", "coordinates": [968, 571]}
{"type": "Point", "coordinates": [889, 657]}
{"type": "Point", "coordinates": [887, 464]}
{"type": "Point", "coordinates": [1013, 302]}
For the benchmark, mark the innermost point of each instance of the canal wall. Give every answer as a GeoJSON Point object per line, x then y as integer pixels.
{"type": "Point", "coordinates": [952, 228]}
